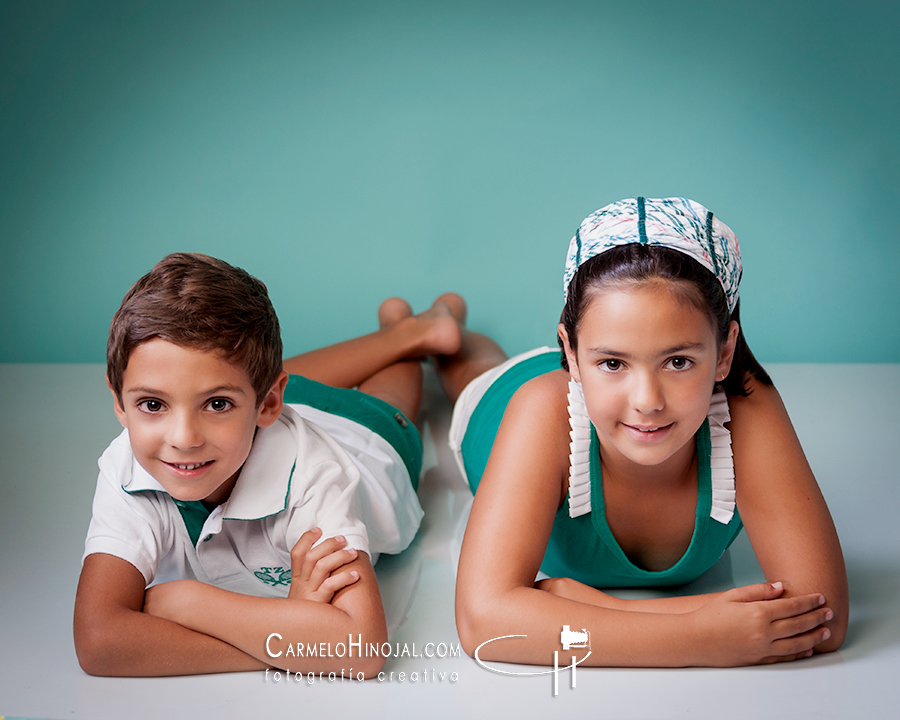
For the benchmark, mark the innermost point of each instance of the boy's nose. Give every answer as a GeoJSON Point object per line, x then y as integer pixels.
{"type": "Point", "coordinates": [184, 432]}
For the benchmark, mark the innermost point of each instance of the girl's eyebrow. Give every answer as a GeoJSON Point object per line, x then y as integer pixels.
{"type": "Point", "coordinates": [667, 351]}
{"type": "Point", "coordinates": [683, 347]}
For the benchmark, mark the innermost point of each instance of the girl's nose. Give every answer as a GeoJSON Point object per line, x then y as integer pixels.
{"type": "Point", "coordinates": [647, 395]}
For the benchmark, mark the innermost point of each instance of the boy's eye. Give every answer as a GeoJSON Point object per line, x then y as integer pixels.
{"type": "Point", "coordinates": [219, 404]}
{"type": "Point", "coordinates": [611, 365]}
{"type": "Point", "coordinates": [150, 406]}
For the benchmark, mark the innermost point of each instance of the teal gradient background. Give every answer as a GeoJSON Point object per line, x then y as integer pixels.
{"type": "Point", "coordinates": [347, 151]}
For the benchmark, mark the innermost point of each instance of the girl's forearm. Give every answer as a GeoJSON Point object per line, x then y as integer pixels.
{"type": "Point", "coordinates": [574, 590]}
{"type": "Point", "coordinates": [743, 626]}
{"type": "Point", "coordinates": [618, 638]}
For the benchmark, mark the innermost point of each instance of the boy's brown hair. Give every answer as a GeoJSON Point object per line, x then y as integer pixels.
{"type": "Point", "coordinates": [197, 301]}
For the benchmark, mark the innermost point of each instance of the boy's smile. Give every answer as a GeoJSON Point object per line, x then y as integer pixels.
{"type": "Point", "coordinates": [191, 417]}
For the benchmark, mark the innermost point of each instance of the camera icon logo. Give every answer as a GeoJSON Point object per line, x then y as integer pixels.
{"type": "Point", "coordinates": [574, 638]}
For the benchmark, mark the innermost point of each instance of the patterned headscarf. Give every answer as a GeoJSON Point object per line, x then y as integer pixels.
{"type": "Point", "coordinates": [677, 223]}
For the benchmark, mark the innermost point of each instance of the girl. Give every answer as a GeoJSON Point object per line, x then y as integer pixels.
{"type": "Point", "coordinates": [637, 463]}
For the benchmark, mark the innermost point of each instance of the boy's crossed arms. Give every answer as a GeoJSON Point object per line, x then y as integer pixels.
{"type": "Point", "coordinates": [189, 627]}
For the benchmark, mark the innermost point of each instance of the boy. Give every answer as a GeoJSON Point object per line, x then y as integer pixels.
{"type": "Point", "coordinates": [223, 514]}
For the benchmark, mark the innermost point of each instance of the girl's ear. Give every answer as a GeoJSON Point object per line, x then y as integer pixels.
{"type": "Point", "coordinates": [726, 352]}
{"type": "Point", "coordinates": [570, 354]}
{"type": "Point", "coordinates": [273, 402]}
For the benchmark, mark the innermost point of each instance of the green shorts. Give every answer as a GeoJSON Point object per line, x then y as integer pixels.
{"type": "Point", "coordinates": [479, 410]}
{"type": "Point", "coordinates": [378, 416]}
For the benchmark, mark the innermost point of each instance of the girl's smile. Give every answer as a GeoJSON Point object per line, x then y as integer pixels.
{"type": "Point", "coordinates": [648, 434]}
{"type": "Point", "coordinates": [648, 361]}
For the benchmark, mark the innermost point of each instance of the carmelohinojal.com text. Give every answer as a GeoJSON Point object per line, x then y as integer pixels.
{"type": "Point", "coordinates": [358, 649]}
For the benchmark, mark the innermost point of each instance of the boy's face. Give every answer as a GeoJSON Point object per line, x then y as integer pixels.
{"type": "Point", "coordinates": [191, 417]}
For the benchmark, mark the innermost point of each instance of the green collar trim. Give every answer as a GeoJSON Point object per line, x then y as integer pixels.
{"type": "Point", "coordinates": [194, 513]}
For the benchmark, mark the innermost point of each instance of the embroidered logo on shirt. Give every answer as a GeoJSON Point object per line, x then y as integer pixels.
{"type": "Point", "coordinates": [274, 576]}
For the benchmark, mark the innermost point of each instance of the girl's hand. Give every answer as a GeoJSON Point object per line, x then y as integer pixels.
{"type": "Point", "coordinates": [314, 573]}
{"type": "Point", "coordinates": [753, 625]}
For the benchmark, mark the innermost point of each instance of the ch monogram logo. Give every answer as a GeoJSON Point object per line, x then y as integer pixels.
{"type": "Point", "coordinates": [568, 638]}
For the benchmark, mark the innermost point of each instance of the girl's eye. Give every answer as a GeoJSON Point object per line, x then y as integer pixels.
{"type": "Point", "coordinates": [611, 365]}
{"type": "Point", "coordinates": [219, 405]}
{"type": "Point", "coordinates": [150, 406]}
{"type": "Point", "coordinates": [680, 363]}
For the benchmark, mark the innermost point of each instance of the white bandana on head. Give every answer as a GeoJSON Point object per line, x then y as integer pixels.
{"type": "Point", "coordinates": [676, 223]}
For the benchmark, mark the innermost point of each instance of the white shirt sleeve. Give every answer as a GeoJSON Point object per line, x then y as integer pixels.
{"type": "Point", "coordinates": [132, 527]}
{"type": "Point", "coordinates": [324, 492]}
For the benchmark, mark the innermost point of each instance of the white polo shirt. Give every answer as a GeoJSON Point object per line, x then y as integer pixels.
{"type": "Point", "coordinates": [296, 477]}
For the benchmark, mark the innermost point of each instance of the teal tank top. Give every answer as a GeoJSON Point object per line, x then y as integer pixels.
{"type": "Point", "coordinates": [581, 545]}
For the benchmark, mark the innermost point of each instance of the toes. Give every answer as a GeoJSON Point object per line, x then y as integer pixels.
{"type": "Point", "coordinates": [456, 303]}
{"type": "Point", "coordinates": [392, 311]}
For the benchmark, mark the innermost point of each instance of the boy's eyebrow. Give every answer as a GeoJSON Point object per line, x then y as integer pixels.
{"type": "Point", "coordinates": [237, 389]}
{"type": "Point", "coordinates": [234, 389]}
{"type": "Point", "coordinates": [667, 351]}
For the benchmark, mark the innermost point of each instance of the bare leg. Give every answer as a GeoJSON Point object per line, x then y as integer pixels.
{"type": "Point", "coordinates": [402, 336]}
{"type": "Point", "coordinates": [399, 384]}
{"type": "Point", "coordinates": [477, 353]}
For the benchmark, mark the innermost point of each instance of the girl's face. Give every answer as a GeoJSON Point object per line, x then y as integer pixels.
{"type": "Point", "coordinates": [648, 362]}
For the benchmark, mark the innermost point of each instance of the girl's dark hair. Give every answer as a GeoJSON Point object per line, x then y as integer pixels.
{"type": "Point", "coordinates": [693, 283]}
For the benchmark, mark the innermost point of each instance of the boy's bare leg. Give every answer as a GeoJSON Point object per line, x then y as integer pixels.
{"type": "Point", "coordinates": [477, 353]}
{"type": "Point", "coordinates": [399, 384]}
{"type": "Point", "coordinates": [402, 336]}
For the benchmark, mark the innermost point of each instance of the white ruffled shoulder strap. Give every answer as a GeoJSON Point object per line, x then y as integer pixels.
{"type": "Point", "coordinates": [721, 460]}
{"type": "Point", "coordinates": [579, 452]}
{"type": "Point", "coordinates": [721, 457]}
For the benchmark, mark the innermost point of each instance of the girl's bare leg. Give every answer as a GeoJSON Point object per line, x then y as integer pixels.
{"type": "Point", "coordinates": [477, 353]}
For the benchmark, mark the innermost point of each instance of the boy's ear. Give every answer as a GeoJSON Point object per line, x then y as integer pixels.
{"type": "Point", "coordinates": [726, 353]}
{"type": "Point", "coordinates": [117, 406]}
{"type": "Point", "coordinates": [570, 354]}
{"type": "Point", "coordinates": [270, 408]}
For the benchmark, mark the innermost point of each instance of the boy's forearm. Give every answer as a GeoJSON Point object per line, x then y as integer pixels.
{"type": "Point", "coordinates": [131, 643]}
{"type": "Point", "coordinates": [186, 627]}
{"type": "Point", "coordinates": [247, 622]}
{"type": "Point", "coordinates": [114, 637]}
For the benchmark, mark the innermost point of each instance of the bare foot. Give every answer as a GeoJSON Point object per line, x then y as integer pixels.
{"type": "Point", "coordinates": [457, 306]}
{"type": "Point", "coordinates": [392, 311]}
{"type": "Point", "coordinates": [438, 330]}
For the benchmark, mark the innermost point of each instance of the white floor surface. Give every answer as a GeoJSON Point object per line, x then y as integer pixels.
{"type": "Point", "coordinates": [57, 419]}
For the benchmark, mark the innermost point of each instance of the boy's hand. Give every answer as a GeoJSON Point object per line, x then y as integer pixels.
{"type": "Point", "coordinates": [314, 573]}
